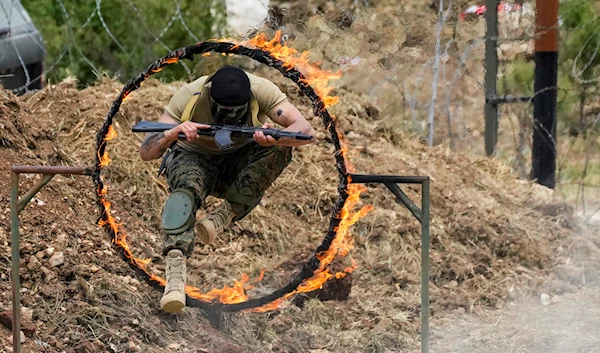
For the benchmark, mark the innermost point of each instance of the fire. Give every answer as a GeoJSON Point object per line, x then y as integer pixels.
{"type": "Point", "coordinates": [105, 159]}
{"type": "Point", "coordinates": [174, 60]}
{"type": "Point", "coordinates": [319, 80]}
{"type": "Point", "coordinates": [229, 295]}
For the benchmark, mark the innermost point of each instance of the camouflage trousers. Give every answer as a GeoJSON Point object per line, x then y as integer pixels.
{"type": "Point", "coordinates": [241, 178]}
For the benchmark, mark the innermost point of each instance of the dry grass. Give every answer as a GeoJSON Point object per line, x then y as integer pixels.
{"type": "Point", "coordinates": [493, 237]}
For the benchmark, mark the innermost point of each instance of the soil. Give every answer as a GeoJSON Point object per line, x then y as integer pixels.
{"type": "Point", "coordinates": [494, 238]}
{"type": "Point", "coordinates": [562, 324]}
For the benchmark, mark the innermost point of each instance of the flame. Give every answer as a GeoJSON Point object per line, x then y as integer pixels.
{"type": "Point", "coordinates": [319, 80]}
{"type": "Point", "coordinates": [104, 160]}
{"type": "Point", "coordinates": [228, 295]}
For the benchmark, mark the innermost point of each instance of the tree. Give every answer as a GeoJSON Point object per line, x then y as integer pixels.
{"type": "Point", "coordinates": [90, 38]}
{"type": "Point", "coordinates": [580, 48]}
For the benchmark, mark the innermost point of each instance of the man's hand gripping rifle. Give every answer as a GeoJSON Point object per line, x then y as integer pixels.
{"type": "Point", "coordinates": [222, 134]}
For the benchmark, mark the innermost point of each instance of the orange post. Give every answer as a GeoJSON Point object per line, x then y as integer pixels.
{"type": "Point", "coordinates": [546, 26]}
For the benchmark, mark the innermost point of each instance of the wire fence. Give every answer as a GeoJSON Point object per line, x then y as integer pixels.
{"type": "Point", "coordinates": [427, 77]}
{"type": "Point", "coordinates": [452, 109]}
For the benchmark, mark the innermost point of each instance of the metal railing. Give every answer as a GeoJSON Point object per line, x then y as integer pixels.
{"type": "Point", "coordinates": [390, 181]}
{"type": "Point", "coordinates": [422, 214]}
{"type": "Point", "coordinates": [16, 206]}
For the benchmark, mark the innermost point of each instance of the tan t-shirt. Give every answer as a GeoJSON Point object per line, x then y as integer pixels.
{"type": "Point", "coordinates": [265, 93]}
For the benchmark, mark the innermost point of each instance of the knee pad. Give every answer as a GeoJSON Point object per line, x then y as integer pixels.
{"type": "Point", "coordinates": [179, 212]}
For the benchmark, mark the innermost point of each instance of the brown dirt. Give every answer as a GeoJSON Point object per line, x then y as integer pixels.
{"type": "Point", "coordinates": [493, 238]}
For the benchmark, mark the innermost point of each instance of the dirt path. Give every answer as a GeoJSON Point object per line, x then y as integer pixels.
{"type": "Point", "coordinates": [568, 326]}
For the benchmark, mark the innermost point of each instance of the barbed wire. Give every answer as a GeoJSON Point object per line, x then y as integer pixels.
{"type": "Point", "coordinates": [444, 96]}
{"type": "Point", "coordinates": [71, 33]}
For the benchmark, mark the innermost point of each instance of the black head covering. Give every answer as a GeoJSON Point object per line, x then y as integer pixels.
{"type": "Point", "coordinates": [230, 86]}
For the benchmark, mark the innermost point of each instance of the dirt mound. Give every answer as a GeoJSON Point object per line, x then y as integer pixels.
{"type": "Point", "coordinates": [493, 237]}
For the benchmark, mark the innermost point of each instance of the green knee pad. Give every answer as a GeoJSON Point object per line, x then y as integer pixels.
{"type": "Point", "coordinates": [179, 212]}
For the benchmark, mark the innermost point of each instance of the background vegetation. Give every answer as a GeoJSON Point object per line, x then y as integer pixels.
{"type": "Point", "coordinates": [89, 38]}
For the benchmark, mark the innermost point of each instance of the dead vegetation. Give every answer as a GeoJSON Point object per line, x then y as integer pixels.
{"type": "Point", "coordinates": [493, 238]}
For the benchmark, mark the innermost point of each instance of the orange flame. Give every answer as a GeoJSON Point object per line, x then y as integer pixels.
{"type": "Point", "coordinates": [319, 80]}
{"type": "Point", "coordinates": [105, 159]}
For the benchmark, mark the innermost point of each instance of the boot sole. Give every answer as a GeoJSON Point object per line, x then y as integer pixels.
{"type": "Point", "coordinates": [173, 307]}
{"type": "Point", "coordinates": [204, 233]}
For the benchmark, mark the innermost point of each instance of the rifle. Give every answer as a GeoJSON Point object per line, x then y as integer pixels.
{"type": "Point", "coordinates": [222, 133]}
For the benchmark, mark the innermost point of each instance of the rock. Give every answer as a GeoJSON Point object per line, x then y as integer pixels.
{"type": "Point", "coordinates": [94, 268]}
{"type": "Point", "coordinates": [57, 260]}
{"type": "Point", "coordinates": [61, 238]}
{"type": "Point", "coordinates": [522, 269]}
{"type": "Point", "coordinates": [22, 336]}
{"type": "Point", "coordinates": [26, 313]}
{"type": "Point", "coordinates": [132, 347]}
{"type": "Point", "coordinates": [50, 251]}
{"type": "Point", "coordinates": [451, 284]}
{"type": "Point", "coordinates": [135, 322]}
{"type": "Point", "coordinates": [48, 275]}
{"type": "Point", "coordinates": [556, 299]}
{"type": "Point", "coordinates": [27, 326]}
{"type": "Point", "coordinates": [545, 299]}
{"type": "Point", "coordinates": [34, 263]}
{"type": "Point", "coordinates": [174, 346]}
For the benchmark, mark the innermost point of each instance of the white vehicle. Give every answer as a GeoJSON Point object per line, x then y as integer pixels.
{"type": "Point", "coordinates": [22, 50]}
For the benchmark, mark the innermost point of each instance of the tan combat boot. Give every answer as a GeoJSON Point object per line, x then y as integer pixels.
{"type": "Point", "coordinates": [210, 227]}
{"type": "Point", "coordinates": [173, 299]}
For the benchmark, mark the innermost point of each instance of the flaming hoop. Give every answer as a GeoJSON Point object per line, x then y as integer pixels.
{"type": "Point", "coordinates": [313, 82]}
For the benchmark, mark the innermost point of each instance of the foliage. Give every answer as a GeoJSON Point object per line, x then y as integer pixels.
{"type": "Point", "coordinates": [579, 60]}
{"type": "Point", "coordinates": [79, 44]}
{"type": "Point", "coordinates": [580, 37]}
{"type": "Point", "coordinates": [580, 54]}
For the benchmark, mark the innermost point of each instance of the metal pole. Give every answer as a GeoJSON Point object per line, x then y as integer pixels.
{"type": "Point", "coordinates": [402, 197]}
{"type": "Point", "coordinates": [425, 267]}
{"type": "Point", "coordinates": [15, 209]}
{"type": "Point", "coordinates": [543, 151]}
{"type": "Point", "coordinates": [396, 179]}
{"type": "Point", "coordinates": [45, 169]}
{"type": "Point", "coordinates": [31, 193]}
{"type": "Point", "coordinates": [491, 73]}
{"type": "Point", "coordinates": [16, 285]}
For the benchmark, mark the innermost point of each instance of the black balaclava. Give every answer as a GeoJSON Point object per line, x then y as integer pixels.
{"type": "Point", "coordinates": [230, 93]}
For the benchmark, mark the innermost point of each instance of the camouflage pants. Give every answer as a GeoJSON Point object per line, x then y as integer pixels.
{"type": "Point", "coordinates": [241, 177]}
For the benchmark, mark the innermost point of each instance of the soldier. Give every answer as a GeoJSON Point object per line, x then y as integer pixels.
{"type": "Point", "coordinates": [196, 167]}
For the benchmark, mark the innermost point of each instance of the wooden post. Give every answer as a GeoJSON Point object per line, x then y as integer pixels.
{"type": "Point", "coordinates": [544, 148]}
